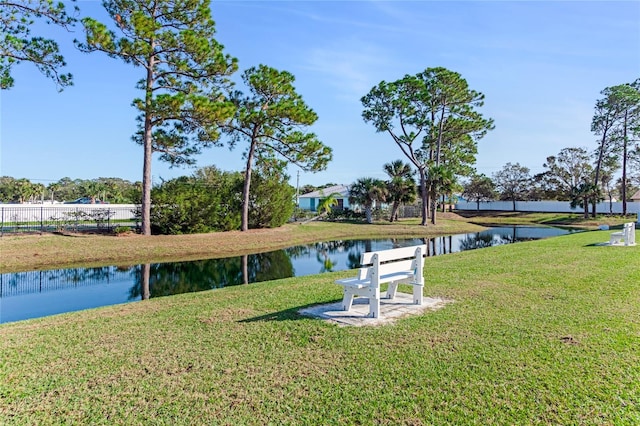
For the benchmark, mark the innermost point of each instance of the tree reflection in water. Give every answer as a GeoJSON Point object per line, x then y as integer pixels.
{"type": "Point", "coordinates": [165, 279]}
{"type": "Point", "coordinates": [476, 241]}
{"type": "Point", "coordinates": [324, 251]}
{"type": "Point", "coordinates": [144, 281]}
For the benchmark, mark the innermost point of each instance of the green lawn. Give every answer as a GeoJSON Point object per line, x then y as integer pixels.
{"type": "Point", "coordinates": [543, 332]}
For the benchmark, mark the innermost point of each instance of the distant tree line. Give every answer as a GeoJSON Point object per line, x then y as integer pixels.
{"type": "Point", "coordinates": [569, 177]}
{"type": "Point", "coordinates": [575, 174]}
{"type": "Point", "coordinates": [112, 190]}
{"type": "Point", "coordinates": [432, 118]}
{"type": "Point", "coordinates": [209, 200]}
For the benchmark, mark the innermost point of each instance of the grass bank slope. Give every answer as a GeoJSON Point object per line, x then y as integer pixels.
{"type": "Point", "coordinates": [497, 218]}
{"type": "Point", "coordinates": [543, 332]}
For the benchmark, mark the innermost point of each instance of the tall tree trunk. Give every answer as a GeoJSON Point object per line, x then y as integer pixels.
{"type": "Point", "coordinates": [425, 196]}
{"type": "Point", "coordinates": [624, 164]}
{"type": "Point", "coordinates": [434, 193]}
{"type": "Point", "coordinates": [394, 211]}
{"type": "Point", "coordinates": [148, 150]}
{"type": "Point", "coordinates": [434, 203]}
{"type": "Point", "coordinates": [599, 164]}
{"type": "Point", "coordinates": [246, 187]}
{"type": "Point", "coordinates": [610, 204]}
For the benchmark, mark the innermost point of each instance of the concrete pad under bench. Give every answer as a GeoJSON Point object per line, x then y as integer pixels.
{"type": "Point", "coordinates": [391, 309]}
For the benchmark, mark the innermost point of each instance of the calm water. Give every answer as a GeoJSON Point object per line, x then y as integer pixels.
{"type": "Point", "coordinates": [36, 294]}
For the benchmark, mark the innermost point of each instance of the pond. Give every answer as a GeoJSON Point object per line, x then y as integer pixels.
{"type": "Point", "coordinates": [34, 294]}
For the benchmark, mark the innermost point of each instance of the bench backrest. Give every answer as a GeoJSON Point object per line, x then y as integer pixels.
{"type": "Point", "coordinates": [392, 260]}
{"type": "Point", "coordinates": [629, 232]}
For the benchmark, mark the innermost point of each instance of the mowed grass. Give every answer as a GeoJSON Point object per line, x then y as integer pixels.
{"type": "Point", "coordinates": [498, 218]}
{"type": "Point", "coordinates": [543, 332]}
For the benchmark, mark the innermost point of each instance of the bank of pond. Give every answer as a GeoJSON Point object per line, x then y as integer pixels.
{"type": "Point", "coordinates": [33, 294]}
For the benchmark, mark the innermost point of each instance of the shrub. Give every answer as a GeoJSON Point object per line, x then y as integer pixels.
{"type": "Point", "coordinates": [271, 200]}
{"type": "Point", "coordinates": [187, 205]}
{"type": "Point", "coordinates": [121, 230]}
{"type": "Point", "coordinates": [345, 214]}
{"type": "Point", "coordinates": [211, 200]}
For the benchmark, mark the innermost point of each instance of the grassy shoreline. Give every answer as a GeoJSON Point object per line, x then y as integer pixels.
{"type": "Point", "coordinates": [51, 251]}
{"type": "Point", "coordinates": [542, 332]}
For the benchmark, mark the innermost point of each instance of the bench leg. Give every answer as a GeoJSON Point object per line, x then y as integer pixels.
{"type": "Point", "coordinates": [391, 290]}
{"type": "Point", "coordinates": [374, 307]}
{"type": "Point", "coordinates": [630, 236]}
{"type": "Point", "coordinates": [347, 300]}
{"type": "Point", "coordinates": [417, 294]}
{"type": "Point", "coordinates": [374, 303]}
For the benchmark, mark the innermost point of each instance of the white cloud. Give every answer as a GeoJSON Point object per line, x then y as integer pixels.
{"type": "Point", "coordinates": [351, 68]}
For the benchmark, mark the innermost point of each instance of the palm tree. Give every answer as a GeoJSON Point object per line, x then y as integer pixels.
{"type": "Point", "coordinates": [401, 188]}
{"type": "Point", "coordinates": [327, 203]}
{"type": "Point", "coordinates": [366, 192]}
{"type": "Point", "coordinates": [25, 190]}
{"type": "Point", "coordinates": [91, 189]}
{"type": "Point", "coordinates": [53, 188]}
{"type": "Point", "coordinates": [37, 191]}
{"type": "Point", "coordinates": [443, 181]}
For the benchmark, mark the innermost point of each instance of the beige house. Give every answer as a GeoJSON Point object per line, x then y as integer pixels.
{"type": "Point", "coordinates": [636, 196]}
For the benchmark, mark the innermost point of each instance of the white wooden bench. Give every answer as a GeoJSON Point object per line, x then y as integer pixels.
{"type": "Point", "coordinates": [395, 266]}
{"type": "Point", "coordinates": [628, 235]}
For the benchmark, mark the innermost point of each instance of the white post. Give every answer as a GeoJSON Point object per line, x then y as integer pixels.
{"type": "Point", "coordinates": [419, 277]}
{"type": "Point", "coordinates": [374, 289]}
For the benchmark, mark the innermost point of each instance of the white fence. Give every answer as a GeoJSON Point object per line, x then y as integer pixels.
{"type": "Point", "coordinates": [43, 217]}
{"type": "Point", "coordinates": [548, 206]}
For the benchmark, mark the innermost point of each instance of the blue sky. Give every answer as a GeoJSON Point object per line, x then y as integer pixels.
{"type": "Point", "coordinates": [541, 66]}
